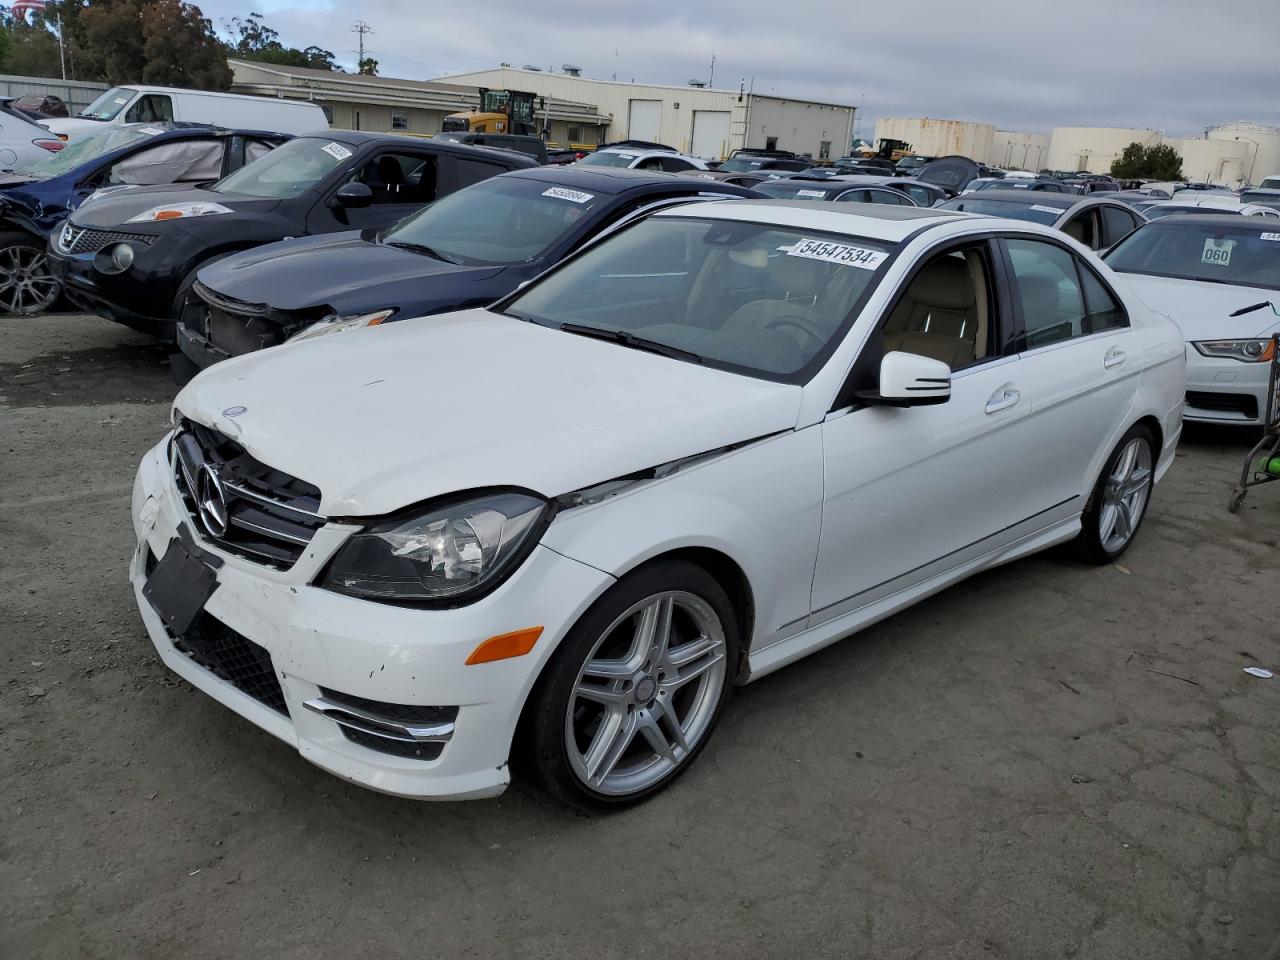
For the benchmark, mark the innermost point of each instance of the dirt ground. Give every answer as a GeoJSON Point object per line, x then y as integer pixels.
{"type": "Point", "coordinates": [1047, 761]}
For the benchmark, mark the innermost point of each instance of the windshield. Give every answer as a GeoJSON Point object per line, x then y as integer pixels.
{"type": "Point", "coordinates": [1014, 184]}
{"type": "Point", "coordinates": [911, 163]}
{"type": "Point", "coordinates": [608, 158]}
{"type": "Point", "coordinates": [1267, 199]}
{"type": "Point", "coordinates": [290, 170]}
{"type": "Point", "coordinates": [765, 300]}
{"type": "Point", "coordinates": [1243, 256]}
{"type": "Point", "coordinates": [83, 149]}
{"type": "Point", "coordinates": [799, 189]}
{"type": "Point", "coordinates": [742, 164]}
{"type": "Point", "coordinates": [1035, 212]}
{"type": "Point", "coordinates": [502, 220]}
{"type": "Point", "coordinates": [109, 104]}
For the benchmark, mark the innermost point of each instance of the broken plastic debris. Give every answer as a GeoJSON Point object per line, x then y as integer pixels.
{"type": "Point", "coordinates": [1261, 672]}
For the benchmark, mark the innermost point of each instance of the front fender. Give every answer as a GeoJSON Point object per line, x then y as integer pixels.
{"type": "Point", "coordinates": [760, 505]}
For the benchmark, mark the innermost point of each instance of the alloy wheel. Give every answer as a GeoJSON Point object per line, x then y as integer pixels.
{"type": "Point", "coordinates": [1124, 496]}
{"type": "Point", "coordinates": [26, 285]}
{"type": "Point", "coordinates": [646, 694]}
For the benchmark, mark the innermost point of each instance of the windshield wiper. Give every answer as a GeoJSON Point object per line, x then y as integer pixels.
{"type": "Point", "coordinates": [631, 340]}
{"type": "Point", "coordinates": [421, 248]}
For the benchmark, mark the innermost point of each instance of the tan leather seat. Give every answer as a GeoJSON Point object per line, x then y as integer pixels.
{"type": "Point", "coordinates": [939, 315]}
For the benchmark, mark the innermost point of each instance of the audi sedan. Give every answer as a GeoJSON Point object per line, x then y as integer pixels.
{"type": "Point", "coordinates": [1217, 277]}
{"type": "Point", "coordinates": [564, 527]}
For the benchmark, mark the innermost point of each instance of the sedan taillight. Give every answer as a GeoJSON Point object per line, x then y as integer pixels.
{"type": "Point", "coordinates": [53, 146]}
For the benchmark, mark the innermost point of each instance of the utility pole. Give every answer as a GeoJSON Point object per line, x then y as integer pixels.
{"type": "Point", "coordinates": [711, 81]}
{"type": "Point", "coordinates": [361, 28]}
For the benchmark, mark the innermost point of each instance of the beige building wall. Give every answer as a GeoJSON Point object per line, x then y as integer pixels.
{"type": "Point", "coordinates": [1094, 148]}
{"type": "Point", "coordinates": [1011, 150]}
{"type": "Point", "coordinates": [936, 138]}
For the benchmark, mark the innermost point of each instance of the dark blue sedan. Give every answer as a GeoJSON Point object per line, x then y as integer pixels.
{"type": "Point", "coordinates": [465, 250]}
{"type": "Point", "coordinates": [34, 201]}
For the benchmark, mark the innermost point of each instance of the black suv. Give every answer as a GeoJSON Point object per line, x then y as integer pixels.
{"type": "Point", "coordinates": [150, 241]}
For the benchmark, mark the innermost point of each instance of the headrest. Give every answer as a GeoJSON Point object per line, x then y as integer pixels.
{"type": "Point", "coordinates": [945, 284]}
{"type": "Point", "coordinates": [757, 257]}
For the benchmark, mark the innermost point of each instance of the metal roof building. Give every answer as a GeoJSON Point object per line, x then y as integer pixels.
{"type": "Point", "coordinates": [695, 119]}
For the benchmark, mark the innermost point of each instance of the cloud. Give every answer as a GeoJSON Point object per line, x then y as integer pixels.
{"type": "Point", "coordinates": [1177, 66]}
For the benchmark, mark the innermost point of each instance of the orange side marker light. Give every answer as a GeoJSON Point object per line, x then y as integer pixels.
{"type": "Point", "coordinates": [505, 646]}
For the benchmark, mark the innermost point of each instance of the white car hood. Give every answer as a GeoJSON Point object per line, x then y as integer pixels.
{"type": "Point", "coordinates": [1203, 310]}
{"type": "Point", "coordinates": [387, 416]}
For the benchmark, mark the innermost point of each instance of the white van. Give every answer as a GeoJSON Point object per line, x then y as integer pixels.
{"type": "Point", "coordinates": [168, 104]}
{"type": "Point", "coordinates": [1270, 183]}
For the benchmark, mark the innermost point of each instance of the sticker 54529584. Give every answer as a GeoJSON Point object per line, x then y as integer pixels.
{"type": "Point", "coordinates": [844, 254]}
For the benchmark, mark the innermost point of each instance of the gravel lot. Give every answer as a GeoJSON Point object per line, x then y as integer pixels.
{"type": "Point", "coordinates": [1047, 761]}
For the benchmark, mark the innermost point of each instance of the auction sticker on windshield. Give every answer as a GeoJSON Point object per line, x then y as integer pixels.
{"type": "Point", "coordinates": [564, 193]}
{"type": "Point", "coordinates": [151, 131]}
{"type": "Point", "coordinates": [336, 150]}
{"type": "Point", "coordinates": [1270, 236]}
{"type": "Point", "coordinates": [841, 253]}
{"type": "Point", "coordinates": [1217, 251]}
{"type": "Point", "coordinates": [1054, 210]}
{"type": "Point", "coordinates": [810, 193]}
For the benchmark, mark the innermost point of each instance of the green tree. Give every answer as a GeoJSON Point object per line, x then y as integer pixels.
{"type": "Point", "coordinates": [252, 39]}
{"type": "Point", "coordinates": [1159, 162]}
{"type": "Point", "coordinates": [368, 67]}
{"type": "Point", "coordinates": [180, 49]}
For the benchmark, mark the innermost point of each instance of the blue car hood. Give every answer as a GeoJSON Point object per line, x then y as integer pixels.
{"type": "Point", "coordinates": [348, 273]}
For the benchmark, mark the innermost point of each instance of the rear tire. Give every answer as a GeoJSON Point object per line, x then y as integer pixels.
{"type": "Point", "coordinates": [27, 285]}
{"type": "Point", "coordinates": [1119, 501]}
{"type": "Point", "coordinates": [636, 688]}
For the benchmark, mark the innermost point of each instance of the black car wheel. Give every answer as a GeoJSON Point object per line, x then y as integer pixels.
{"type": "Point", "coordinates": [27, 286]}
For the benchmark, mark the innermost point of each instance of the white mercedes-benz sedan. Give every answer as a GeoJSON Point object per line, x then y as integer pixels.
{"type": "Point", "coordinates": [562, 528]}
{"type": "Point", "coordinates": [1216, 276]}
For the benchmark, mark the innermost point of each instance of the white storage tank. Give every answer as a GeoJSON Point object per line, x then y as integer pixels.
{"type": "Point", "coordinates": [1094, 148]}
{"type": "Point", "coordinates": [1222, 162]}
{"type": "Point", "coordinates": [1262, 144]}
{"type": "Point", "coordinates": [1012, 150]}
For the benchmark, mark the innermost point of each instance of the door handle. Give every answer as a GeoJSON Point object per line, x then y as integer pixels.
{"type": "Point", "coordinates": [1003, 399]}
{"type": "Point", "coordinates": [1115, 356]}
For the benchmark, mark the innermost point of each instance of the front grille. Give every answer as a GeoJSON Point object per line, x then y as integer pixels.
{"type": "Point", "coordinates": [267, 515]}
{"type": "Point", "coordinates": [72, 239]}
{"type": "Point", "coordinates": [234, 658]}
{"type": "Point", "coordinates": [1242, 403]}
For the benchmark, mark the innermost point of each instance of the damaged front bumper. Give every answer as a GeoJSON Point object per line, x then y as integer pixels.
{"type": "Point", "coordinates": [374, 693]}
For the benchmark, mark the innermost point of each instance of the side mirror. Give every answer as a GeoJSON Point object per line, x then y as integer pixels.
{"type": "Point", "coordinates": [353, 195]}
{"type": "Point", "coordinates": [910, 380]}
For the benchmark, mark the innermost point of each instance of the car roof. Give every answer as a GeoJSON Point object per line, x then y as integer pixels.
{"type": "Point", "coordinates": [1043, 198]}
{"type": "Point", "coordinates": [359, 138]}
{"type": "Point", "coordinates": [642, 154]}
{"type": "Point", "coordinates": [892, 224]}
{"type": "Point", "coordinates": [1214, 220]}
{"type": "Point", "coordinates": [614, 180]}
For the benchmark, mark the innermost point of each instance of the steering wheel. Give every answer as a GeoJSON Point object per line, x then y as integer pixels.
{"type": "Point", "coordinates": [803, 324]}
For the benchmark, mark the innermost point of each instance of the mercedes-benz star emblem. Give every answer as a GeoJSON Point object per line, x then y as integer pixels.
{"type": "Point", "coordinates": [211, 501]}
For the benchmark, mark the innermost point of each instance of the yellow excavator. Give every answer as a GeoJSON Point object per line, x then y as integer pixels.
{"type": "Point", "coordinates": [501, 111]}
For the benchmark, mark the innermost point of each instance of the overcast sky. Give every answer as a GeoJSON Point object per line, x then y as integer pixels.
{"type": "Point", "coordinates": [1173, 65]}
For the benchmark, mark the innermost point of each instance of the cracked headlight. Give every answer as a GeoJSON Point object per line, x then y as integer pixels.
{"type": "Point", "coordinates": [335, 324]}
{"type": "Point", "coordinates": [179, 211]}
{"type": "Point", "coordinates": [451, 550]}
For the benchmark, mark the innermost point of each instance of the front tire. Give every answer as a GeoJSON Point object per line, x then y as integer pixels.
{"type": "Point", "coordinates": [636, 688]}
{"type": "Point", "coordinates": [1119, 501]}
{"type": "Point", "coordinates": [27, 285]}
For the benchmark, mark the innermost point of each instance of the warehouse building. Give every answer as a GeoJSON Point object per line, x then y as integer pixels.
{"type": "Point", "coordinates": [1094, 148]}
{"type": "Point", "coordinates": [938, 138]}
{"type": "Point", "coordinates": [1012, 150]}
{"type": "Point", "coordinates": [386, 105]}
{"type": "Point", "coordinates": [693, 119]}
